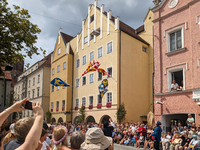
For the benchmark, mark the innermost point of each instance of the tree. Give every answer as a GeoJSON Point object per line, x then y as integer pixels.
{"type": "Point", "coordinates": [17, 34]}
{"type": "Point", "coordinates": [121, 113]}
{"type": "Point", "coordinates": [48, 116]}
{"type": "Point", "coordinates": [81, 116]}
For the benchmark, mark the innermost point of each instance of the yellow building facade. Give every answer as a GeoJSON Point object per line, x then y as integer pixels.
{"type": "Point", "coordinates": [122, 53]}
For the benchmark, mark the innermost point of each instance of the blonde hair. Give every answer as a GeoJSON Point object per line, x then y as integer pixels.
{"type": "Point", "coordinates": [22, 127]}
{"type": "Point", "coordinates": [59, 132]}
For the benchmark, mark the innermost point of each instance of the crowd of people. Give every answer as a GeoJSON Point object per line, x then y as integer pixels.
{"type": "Point", "coordinates": [36, 134]}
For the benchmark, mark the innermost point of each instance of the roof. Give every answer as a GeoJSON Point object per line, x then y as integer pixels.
{"type": "Point", "coordinates": [7, 74]}
{"type": "Point", "coordinates": [129, 30]}
{"type": "Point", "coordinates": [66, 37]}
{"type": "Point", "coordinates": [140, 29]}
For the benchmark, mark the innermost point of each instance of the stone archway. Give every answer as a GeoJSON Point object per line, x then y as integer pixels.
{"type": "Point", "coordinates": [60, 119]}
{"type": "Point", "coordinates": [53, 120]}
{"type": "Point", "coordinates": [90, 119]}
{"type": "Point", "coordinates": [76, 120]}
{"type": "Point", "coordinates": [104, 118]}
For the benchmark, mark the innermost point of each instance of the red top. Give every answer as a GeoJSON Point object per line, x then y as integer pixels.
{"type": "Point", "coordinates": [142, 130]}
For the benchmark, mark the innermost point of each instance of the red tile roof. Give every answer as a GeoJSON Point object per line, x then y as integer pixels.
{"type": "Point", "coordinates": [140, 29]}
{"type": "Point", "coordinates": [66, 37]}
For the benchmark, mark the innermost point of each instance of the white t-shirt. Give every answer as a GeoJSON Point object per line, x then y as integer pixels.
{"type": "Point", "coordinates": [190, 120]}
{"type": "Point", "coordinates": [175, 86]}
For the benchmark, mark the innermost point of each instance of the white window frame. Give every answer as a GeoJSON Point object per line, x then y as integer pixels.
{"type": "Point", "coordinates": [62, 103]}
{"type": "Point", "coordinates": [85, 60]}
{"type": "Point", "coordinates": [107, 47]}
{"type": "Point", "coordinates": [58, 68]}
{"type": "Point", "coordinates": [98, 100]}
{"type": "Point", "coordinates": [77, 85]}
{"type": "Point", "coordinates": [170, 77]}
{"type": "Point", "coordinates": [58, 88]}
{"type": "Point", "coordinates": [90, 55]}
{"type": "Point", "coordinates": [107, 97]}
{"type": "Point", "coordinates": [168, 38]}
{"type": "Point", "coordinates": [107, 71]}
{"type": "Point", "coordinates": [57, 104]}
{"type": "Point", "coordinates": [77, 64]}
{"type": "Point", "coordinates": [89, 100]}
{"type": "Point", "coordinates": [98, 51]}
{"type": "Point", "coordinates": [98, 76]}
{"type": "Point", "coordinates": [59, 51]}
{"type": "Point", "coordinates": [64, 65]}
{"type": "Point", "coordinates": [53, 71]}
{"type": "Point", "coordinates": [85, 39]}
{"type": "Point", "coordinates": [76, 101]}
{"type": "Point", "coordinates": [82, 101]}
{"type": "Point", "coordinates": [90, 78]}
{"type": "Point", "coordinates": [85, 80]}
{"type": "Point", "coordinates": [38, 91]}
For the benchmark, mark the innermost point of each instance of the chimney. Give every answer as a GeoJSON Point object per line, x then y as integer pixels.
{"type": "Point", "coordinates": [60, 30]}
{"type": "Point", "coordinates": [96, 3]}
{"type": "Point", "coordinates": [102, 8]}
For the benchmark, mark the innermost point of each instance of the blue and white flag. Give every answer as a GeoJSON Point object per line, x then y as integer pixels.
{"type": "Point", "coordinates": [58, 82]}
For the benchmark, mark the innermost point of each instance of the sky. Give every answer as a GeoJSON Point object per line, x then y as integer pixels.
{"type": "Point", "coordinates": [51, 15]}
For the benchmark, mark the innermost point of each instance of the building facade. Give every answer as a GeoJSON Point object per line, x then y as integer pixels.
{"type": "Point", "coordinates": [176, 57]}
{"type": "Point", "coordinates": [33, 83]}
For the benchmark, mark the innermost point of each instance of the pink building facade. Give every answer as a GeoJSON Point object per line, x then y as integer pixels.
{"type": "Point", "coordinates": [176, 57]}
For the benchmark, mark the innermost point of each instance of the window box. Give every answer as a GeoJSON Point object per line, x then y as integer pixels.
{"type": "Point", "coordinates": [98, 106]}
{"type": "Point", "coordinates": [51, 110]}
{"type": "Point", "coordinates": [63, 108]}
{"type": "Point", "coordinates": [76, 108]}
{"type": "Point", "coordinates": [108, 105]}
{"type": "Point", "coordinates": [56, 109]}
{"type": "Point", "coordinates": [90, 106]}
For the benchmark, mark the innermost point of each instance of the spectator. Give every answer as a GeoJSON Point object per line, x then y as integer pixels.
{"type": "Point", "coordinates": [180, 128]}
{"type": "Point", "coordinates": [189, 121]}
{"type": "Point", "coordinates": [185, 142]}
{"type": "Point", "coordinates": [140, 141]}
{"type": "Point", "coordinates": [148, 141]}
{"type": "Point", "coordinates": [10, 136]}
{"type": "Point", "coordinates": [174, 85]}
{"type": "Point", "coordinates": [95, 140]}
{"type": "Point", "coordinates": [107, 130]}
{"type": "Point", "coordinates": [157, 135]}
{"type": "Point", "coordinates": [76, 140]}
{"type": "Point", "coordinates": [194, 143]}
{"type": "Point", "coordinates": [176, 143]}
{"type": "Point", "coordinates": [165, 142]}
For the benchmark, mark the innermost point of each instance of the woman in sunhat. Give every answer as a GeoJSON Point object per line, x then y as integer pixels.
{"type": "Point", "coordinates": [95, 140]}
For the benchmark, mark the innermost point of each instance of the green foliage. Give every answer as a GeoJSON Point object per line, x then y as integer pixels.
{"type": "Point", "coordinates": [27, 65]}
{"type": "Point", "coordinates": [17, 34]}
{"type": "Point", "coordinates": [121, 113]}
{"type": "Point", "coordinates": [48, 116]}
{"type": "Point", "coordinates": [81, 116]}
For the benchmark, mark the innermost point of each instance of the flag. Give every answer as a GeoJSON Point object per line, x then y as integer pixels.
{"type": "Point", "coordinates": [58, 82]}
{"type": "Point", "coordinates": [86, 71]}
{"type": "Point", "coordinates": [100, 70]}
{"type": "Point", "coordinates": [103, 87]}
{"type": "Point", "coordinates": [91, 67]}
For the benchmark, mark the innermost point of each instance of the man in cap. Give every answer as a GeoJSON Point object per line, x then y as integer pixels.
{"type": "Point", "coordinates": [157, 135]}
{"type": "Point", "coordinates": [189, 121]}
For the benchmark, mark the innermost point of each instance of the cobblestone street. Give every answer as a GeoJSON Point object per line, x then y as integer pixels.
{"type": "Point", "coordinates": [123, 147]}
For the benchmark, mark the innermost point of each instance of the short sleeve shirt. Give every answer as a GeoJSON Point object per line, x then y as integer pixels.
{"type": "Point", "coordinates": [189, 120]}
{"type": "Point", "coordinates": [175, 86]}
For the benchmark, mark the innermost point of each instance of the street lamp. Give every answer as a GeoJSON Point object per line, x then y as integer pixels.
{"type": "Point", "coordinates": [7, 68]}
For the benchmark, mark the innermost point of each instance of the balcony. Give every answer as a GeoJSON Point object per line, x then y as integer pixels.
{"type": "Point", "coordinates": [108, 105]}
{"type": "Point", "coordinates": [99, 106]}
{"type": "Point", "coordinates": [90, 106]}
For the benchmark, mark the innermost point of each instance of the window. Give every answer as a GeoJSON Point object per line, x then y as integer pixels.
{"type": "Point", "coordinates": [16, 90]}
{"type": "Point", "coordinates": [100, 52]}
{"type": "Point", "coordinates": [64, 65]}
{"type": "Point", "coordinates": [83, 101]}
{"type": "Point", "coordinates": [109, 47]}
{"type": "Point", "coordinates": [53, 71]}
{"type": "Point", "coordinates": [91, 18]}
{"type": "Point", "coordinates": [178, 76]}
{"type": "Point", "coordinates": [59, 51]}
{"type": "Point", "coordinates": [38, 92]}
{"type": "Point", "coordinates": [33, 93]}
{"type": "Point", "coordinates": [144, 49]}
{"type": "Point", "coordinates": [98, 99]}
{"type": "Point", "coordinates": [109, 97]}
{"type": "Point", "coordinates": [90, 100]}
{"type": "Point", "coordinates": [32, 70]}
{"type": "Point", "coordinates": [85, 39]}
{"type": "Point", "coordinates": [38, 78]}
{"type": "Point", "coordinates": [76, 102]}
{"type": "Point", "coordinates": [58, 68]}
{"type": "Point", "coordinates": [33, 80]}
{"type": "Point", "coordinates": [109, 71]}
{"type": "Point", "coordinates": [29, 83]}
{"type": "Point", "coordinates": [63, 103]}
{"type": "Point", "coordinates": [57, 88]}
{"type": "Point", "coordinates": [175, 39]}
{"type": "Point", "coordinates": [91, 56]}
{"type": "Point", "coordinates": [91, 77]}
{"type": "Point", "coordinates": [100, 76]}
{"type": "Point", "coordinates": [52, 88]}
{"type": "Point", "coordinates": [91, 36]}
{"type": "Point", "coordinates": [57, 104]}
{"type": "Point", "coordinates": [29, 96]}
{"type": "Point", "coordinates": [83, 80]}
{"type": "Point", "coordinates": [84, 60]}
{"type": "Point", "coordinates": [77, 63]}
{"type": "Point", "coordinates": [77, 82]}
{"type": "Point", "coordinates": [51, 105]}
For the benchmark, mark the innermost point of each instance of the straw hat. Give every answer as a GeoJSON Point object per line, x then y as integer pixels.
{"type": "Point", "coordinates": [95, 140]}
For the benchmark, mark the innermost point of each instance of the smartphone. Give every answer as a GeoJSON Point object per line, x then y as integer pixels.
{"type": "Point", "coordinates": [28, 105]}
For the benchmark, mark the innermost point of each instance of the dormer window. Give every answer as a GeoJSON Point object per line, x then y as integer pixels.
{"type": "Point", "coordinates": [59, 51]}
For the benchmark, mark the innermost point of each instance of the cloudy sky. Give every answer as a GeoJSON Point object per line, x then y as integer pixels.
{"type": "Point", "coordinates": [50, 15]}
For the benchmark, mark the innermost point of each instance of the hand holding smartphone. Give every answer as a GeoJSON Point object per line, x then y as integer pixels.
{"type": "Point", "coordinates": [28, 105]}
